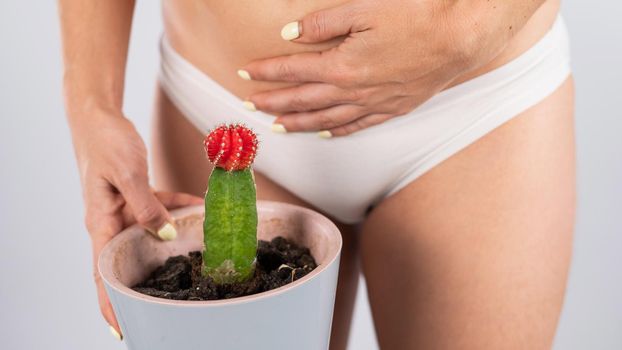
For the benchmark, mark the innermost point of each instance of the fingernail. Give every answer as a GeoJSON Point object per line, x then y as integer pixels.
{"type": "Point", "coordinates": [167, 232]}
{"type": "Point", "coordinates": [116, 334]}
{"type": "Point", "coordinates": [244, 74]}
{"type": "Point", "coordinates": [290, 31]}
{"type": "Point", "coordinates": [278, 128]}
{"type": "Point", "coordinates": [324, 134]}
{"type": "Point", "coordinates": [249, 105]}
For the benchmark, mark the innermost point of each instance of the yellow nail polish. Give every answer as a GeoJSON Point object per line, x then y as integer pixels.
{"type": "Point", "coordinates": [167, 232]}
{"type": "Point", "coordinates": [244, 74]}
{"type": "Point", "coordinates": [249, 105]}
{"type": "Point", "coordinates": [115, 334]}
{"type": "Point", "coordinates": [278, 128]}
{"type": "Point", "coordinates": [290, 31]}
{"type": "Point", "coordinates": [324, 134]}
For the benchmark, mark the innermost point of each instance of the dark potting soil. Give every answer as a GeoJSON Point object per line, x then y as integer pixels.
{"type": "Point", "coordinates": [279, 262]}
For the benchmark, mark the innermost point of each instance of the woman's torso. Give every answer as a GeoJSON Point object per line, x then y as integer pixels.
{"type": "Point", "coordinates": [218, 37]}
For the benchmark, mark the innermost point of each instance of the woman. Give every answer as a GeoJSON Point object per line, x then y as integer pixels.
{"type": "Point", "coordinates": [437, 135]}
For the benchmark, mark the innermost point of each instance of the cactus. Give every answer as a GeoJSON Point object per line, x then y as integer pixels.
{"type": "Point", "coordinates": [230, 226]}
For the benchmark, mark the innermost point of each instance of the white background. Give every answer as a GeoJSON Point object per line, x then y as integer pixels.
{"type": "Point", "coordinates": [47, 299]}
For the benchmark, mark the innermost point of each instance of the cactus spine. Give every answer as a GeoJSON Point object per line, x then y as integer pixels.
{"type": "Point", "coordinates": [230, 226]}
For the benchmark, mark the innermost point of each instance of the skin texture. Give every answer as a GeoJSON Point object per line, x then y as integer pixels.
{"type": "Point", "coordinates": [111, 156]}
{"type": "Point", "coordinates": [389, 63]}
{"type": "Point", "coordinates": [521, 271]}
{"type": "Point", "coordinates": [487, 245]}
{"type": "Point", "coordinates": [476, 247]}
{"type": "Point", "coordinates": [383, 63]}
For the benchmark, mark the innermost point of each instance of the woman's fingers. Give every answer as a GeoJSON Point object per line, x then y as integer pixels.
{"type": "Point", "coordinates": [303, 98]}
{"type": "Point", "coordinates": [108, 219]}
{"type": "Point", "coordinates": [359, 124]}
{"type": "Point", "coordinates": [148, 211]}
{"type": "Point", "coordinates": [103, 221]}
{"type": "Point", "coordinates": [99, 240]}
{"type": "Point", "coordinates": [324, 119]}
{"type": "Point", "coordinates": [300, 67]}
{"type": "Point", "coordinates": [109, 216]}
{"type": "Point", "coordinates": [326, 66]}
{"type": "Point", "coordinates": [322, 25]}
{"type": "Point", "coordinates": [344, 119]}
{"type": "Point", "coordinates": [317, 96]}
{"type": "Point", "coordinates": [379, 114]}
{"type": "Point", "coordinates": [170, 200]}
{"type": "Point", "coordinates": [174, 200]}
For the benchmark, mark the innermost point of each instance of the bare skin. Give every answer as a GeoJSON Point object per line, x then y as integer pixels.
{"type": "Point", "coordinates": [476, 247]}
{"type": "Point", "coordinates": [482, 260]}
{"type": "Point", "coordinates": [465, 289]}
{"type": "Point", "coordinates": [396, 53]}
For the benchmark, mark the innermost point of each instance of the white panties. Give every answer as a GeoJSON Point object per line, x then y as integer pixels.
{"type": "Point", "coordinates": [345, 176]}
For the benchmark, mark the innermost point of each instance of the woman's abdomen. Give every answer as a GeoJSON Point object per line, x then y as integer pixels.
{"type": "Point", "coordinates": [218, 37]}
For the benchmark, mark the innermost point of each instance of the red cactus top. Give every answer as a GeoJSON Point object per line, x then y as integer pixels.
{"type": "Point", "coordinates": [231, 147]}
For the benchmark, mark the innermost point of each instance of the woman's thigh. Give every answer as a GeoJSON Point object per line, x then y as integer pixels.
{"type": "Point", "coordinates": [474, 254]}
{"type": "Point", "coordinates": [180, 165]}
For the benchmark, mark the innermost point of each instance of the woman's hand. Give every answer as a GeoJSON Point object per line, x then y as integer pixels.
{"type": "Point", "coordinates": [113, 170]}
{"type": "Point", "coordinates": [396, 54]}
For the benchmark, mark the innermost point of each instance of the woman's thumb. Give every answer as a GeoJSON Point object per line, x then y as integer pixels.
{"type": "Point", "coordinates": [321, 25]}
{"type": "Point", "coordinates": [148, 211]}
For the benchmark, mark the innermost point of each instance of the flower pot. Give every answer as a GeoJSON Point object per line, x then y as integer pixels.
{"type": "Point", "coordinates": [295, 316]}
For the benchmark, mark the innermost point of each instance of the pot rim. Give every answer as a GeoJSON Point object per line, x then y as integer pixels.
{"type": "Point", "coordinates": [105, 258]}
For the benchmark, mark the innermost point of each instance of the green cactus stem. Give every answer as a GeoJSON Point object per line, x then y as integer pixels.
{"type": "Point", "coordinates": [230, 226]}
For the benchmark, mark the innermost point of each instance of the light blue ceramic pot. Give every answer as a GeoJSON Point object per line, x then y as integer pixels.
{"type": "Point", "coordinates": [296, 316]}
